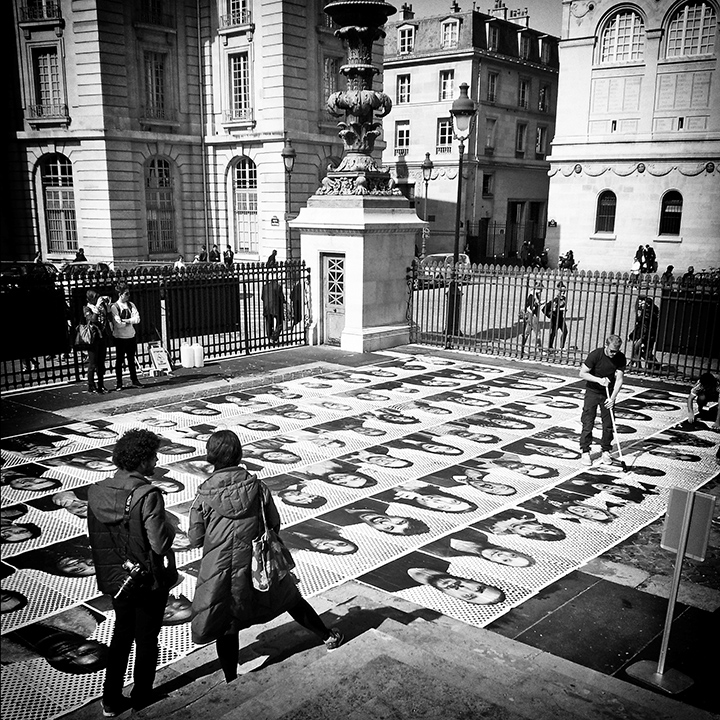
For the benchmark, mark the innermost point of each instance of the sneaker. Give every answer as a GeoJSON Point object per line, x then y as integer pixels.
{"type": "Point", "coordinates": [335, 640]}
{"type": "Point", "coordinates": [606, 458]}
{"type": "Point", "coordinates": [113, 709]}
{"type": "Point", "coordinates": [137, 384]}
{"type": "Point", "coordinates": [586, 459]}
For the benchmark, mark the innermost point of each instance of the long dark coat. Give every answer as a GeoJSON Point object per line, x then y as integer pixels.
{"type": "Point", "coordinates": [224, 521]}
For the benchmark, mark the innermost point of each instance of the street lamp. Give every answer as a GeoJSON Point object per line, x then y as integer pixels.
{"type": "Point", "coordinates": [427, 168]}
{"type": "Point", "coordinates": [288, 155]}
{"type": "Point", "coordinates": [463, 111]}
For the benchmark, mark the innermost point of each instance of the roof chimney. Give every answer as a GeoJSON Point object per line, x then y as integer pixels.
{"type": "Point", "coordinates": [407, 12]}
{"type": "Point", "coordinates": [499, 11]}
{"type": "Point", "coordinates": [520, 16]}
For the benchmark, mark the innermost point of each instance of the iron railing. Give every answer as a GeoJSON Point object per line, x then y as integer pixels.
{"type": "Point", "coordinates": [671, 330]}
{"type": "Point", "coordinates": [226, 310]}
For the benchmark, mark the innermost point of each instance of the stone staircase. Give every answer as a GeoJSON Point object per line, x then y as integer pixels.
{"type": "Point", "coordinates": [400, 661]}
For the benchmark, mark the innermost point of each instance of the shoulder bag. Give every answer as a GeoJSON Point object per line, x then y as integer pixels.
{"type": "Point", "coordinates": [271, 560]}
{"type": "Point", "coordinates": [85, 335]}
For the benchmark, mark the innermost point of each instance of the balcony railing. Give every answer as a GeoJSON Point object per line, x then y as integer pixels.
{"type": "Point", "coordinates": [402, 151]}
{"type": "Point", "coordinates": [236, 18]}
{"type": "Point", "coordinates": [152, 16]}
{"type": "Point", "coordinates": [442, 149]}
{"type": "Point", "coordinates": [47, 111]}
{"type": "Point", "coordinates": [157, 113]}
{"type": "Point", "coordinates": [238, 115]}
{"type": "Point", "coordinates": [48, 10]}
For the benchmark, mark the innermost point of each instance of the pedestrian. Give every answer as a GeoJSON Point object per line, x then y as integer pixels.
{"type": "Point", "coordinates": [644, 334]}
{"type": "Point", "coordinates": [687, 281]}
{"type": "Point", "coordinates": [131, 539]}
{"type": "Point", "coordinates": [38, 257]}
{"type": "Point", "coordinates": [531, 315]}
{"type": "Point", "coordinates": [80, 256]}
{"type": "Point", "coordinates": [704, 391]}
{"type": "Point", "coordinates": [667, 277]}
{"type": "Point", "coordinates": [525, 254]}
{"type": "Point", "coordinates": [272, 259]}
{"type": "Point", "coordinates": [640, 258]}
{"type": "Point", "coordinates": [97, 314]}
{"type": "Point", "coordinates": [179, 263]}
{"type": "Point", "coordinates": [228, 257]}
{"type": "Point", "coordinates": [224, 520]}
{"type": "Point", "coordinates": [202, 256]}
{"type": "Point", "coordinates": [214, 254]}
{"type": "Point", "coordinates": [273, 300]}
{"type": "Point", "coordinates": [544, 259]}
{"type": "Point", "coordinates": [555, 310]}
{"type": "Point", "coordinates": [125, 317]}
{"type": "Point", "coordinates": [650, 260]}
{"type": "Point", "coordinates": [602, 371]}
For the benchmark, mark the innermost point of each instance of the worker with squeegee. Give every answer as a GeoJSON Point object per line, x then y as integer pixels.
{"type": "Point", "coordinates": [603, 373]}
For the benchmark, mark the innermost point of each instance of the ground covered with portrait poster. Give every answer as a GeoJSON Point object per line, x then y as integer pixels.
{"type": "Point", "coordinates": [455, 485]}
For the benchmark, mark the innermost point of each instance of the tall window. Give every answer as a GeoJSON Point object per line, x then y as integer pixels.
{"type": "Point", "coordinates": [544, 99]}
{"type": "Point", "coordinates": [524, 47]}
{"type": "Point", "coordinates": [487, 184]}
{"type": "Point", "coordinates": [154, 64]}
{"type": "Point", "coordinates": [520, 138]}
{"type": "Point", "coordinates": [493, 38]}
{"type": "Point", "coordinates": [59, 198]}
{"type": "Point", "coordinates": [403, 89]}
{"type": "Point", "coordinates": [449, 32]}
{"type": "Point", "coordinates": [402, 137]}
{"type": "Point", "coordinates": [160, 207]}
{"type": "Point", "coordinates": [238, 13]}
{"type": "Point", "coordinates": [692, 30]}
{"type": "Point", "coordinates": [540, 142]}
{"type": "Point", "coordinates": [48, 93]}
{"type": "Point", "coordinates": [544, 51]}
{"type": "Point", "coordinates": [490, 128]}
{"type": "Point", "coordinates": [447, 85]}
{"type": "Point", "coordinates": [444, 135]}
{"type": "Point", "coordinates": [406, 40]}
{"type": "Point", "coordinates": [330, 77]}
{"type": "Point", "coordinates": [240, 106]}
{"type": "Point", "coordinates": [671, 213]}
{"type": "Point", "coordinates": [524, 93]}
{"type": "Point", "coordinates": [623, 39]}
{"type": "Point", "coordinates": [245, 207]}
{"type": "Point", "coordinates": [605, 216]}
{"type": "Point", "coordinates": [492, 87]}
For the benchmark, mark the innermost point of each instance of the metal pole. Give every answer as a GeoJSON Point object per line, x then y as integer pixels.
{"type": "Point", "coordinates": [424, 238]}
{"type": "Point", "coordinates": [676, 581]}
{"type": "Point", "coordinates": [453, 303]}
{"type": "Point", "coordinates": [288, 210]}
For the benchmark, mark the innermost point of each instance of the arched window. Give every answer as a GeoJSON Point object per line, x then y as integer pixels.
{"type": "Point", "coordinates": [692, 30]}
{"type": "Point", "coordinates": [671, 213]}
{"type": "Point", "coordinates": [623, 38]}
{"type": "Point", "coordinates": [160, 206]}
{"type": "Point", "coordinates": [605, 217]}
{"type": "Point", "coordinates": [245, 205]}
{"type": "Point", "coordinates": [58, 197]}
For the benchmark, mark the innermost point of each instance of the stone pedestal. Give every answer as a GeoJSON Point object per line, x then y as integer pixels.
{"type": "Point", "coordinates": [376, 235]}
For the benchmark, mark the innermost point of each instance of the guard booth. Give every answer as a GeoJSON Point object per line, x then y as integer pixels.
{"type": "Point", "coordinates": [689, 321]}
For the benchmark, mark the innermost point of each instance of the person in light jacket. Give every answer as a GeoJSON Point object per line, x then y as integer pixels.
{"type": "Point", "coordinates": [125, 317]}
{"type": "Point", "coordinates": [224, 520]}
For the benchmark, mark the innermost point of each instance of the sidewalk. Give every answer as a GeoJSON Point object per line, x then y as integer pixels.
{"type": "Point", "coordinates": [561, 654]}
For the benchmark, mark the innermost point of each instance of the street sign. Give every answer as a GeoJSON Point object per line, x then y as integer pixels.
{"type": "Point", "coordinates": [700, 520]}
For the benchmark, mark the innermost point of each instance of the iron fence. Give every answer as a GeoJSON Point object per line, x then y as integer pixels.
{"type": "Point", "coordinates": [671, 330]}
{"type": "Point", "coordinates": [241, 310]}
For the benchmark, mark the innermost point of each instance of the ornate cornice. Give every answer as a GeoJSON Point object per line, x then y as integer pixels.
{"type": "Point", "coordinates": [656, 169]}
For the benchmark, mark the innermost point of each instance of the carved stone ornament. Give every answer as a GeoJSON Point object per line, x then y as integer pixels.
{"type": "Point", "coordinates": [358, 172]}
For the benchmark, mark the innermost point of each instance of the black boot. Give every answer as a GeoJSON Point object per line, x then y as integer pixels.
{"type": "Point", "coordinates": [101, 386]}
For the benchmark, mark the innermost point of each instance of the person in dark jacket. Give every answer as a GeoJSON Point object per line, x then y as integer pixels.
{"type": "Point", "coordinates": [97, 314]}
{"type": "Point", "coordinates": [131, 539]}
{"type": "Point", "coordinates": [224, 522]}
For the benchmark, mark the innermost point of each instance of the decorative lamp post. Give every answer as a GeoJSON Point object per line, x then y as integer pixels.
{"type": "Point", "coordinates": [427, 168]}
{"type": "Point", "coordinates": [288, 155]}
{"type": "Point", "coordinates": [463, 111]}
{"type": "Point", "coordinates": [358, 173]}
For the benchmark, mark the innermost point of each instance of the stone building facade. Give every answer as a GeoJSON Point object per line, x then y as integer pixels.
{"type": "Point", "coordinates": [636, 155]}
{"type": "Point", "coordinates": [512, 74]}
{"type": "Point", "coordinates": [143, 130]}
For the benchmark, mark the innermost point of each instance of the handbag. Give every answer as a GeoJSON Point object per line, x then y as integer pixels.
{"type": "Point", "coordinates": [85, 335]}
{"type": "Point", "coordinates": [271, 560]}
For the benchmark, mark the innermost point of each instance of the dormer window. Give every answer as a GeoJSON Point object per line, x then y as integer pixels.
{"type": "Point", "coordinates": [406, 39]}
{"type": "Point", "coordinates": [493, 38]}
{"type": "Point", "coordinates": [545, 51]}
{"type": "Point", "coordinates": [449, 33]}
{"type": "Point", "coordinates": [524, 46]}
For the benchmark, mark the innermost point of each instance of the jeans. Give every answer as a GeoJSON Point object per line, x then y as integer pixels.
{"type": "Point", "coordinates": [137, 618]}
{"type": "Point", "coordinates": [593, 400]}
{"type": "Point", "coordinates": [125, 348]}
{"type": "Point", "coordinates": [97, 353]}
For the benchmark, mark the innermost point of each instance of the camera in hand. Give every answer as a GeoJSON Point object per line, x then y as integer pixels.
{"type": "Point", "coordinates": [136, 575]}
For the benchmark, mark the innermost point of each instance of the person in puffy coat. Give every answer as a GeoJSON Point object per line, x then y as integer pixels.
{"type": "Point", "coordinates": [224, 521]}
